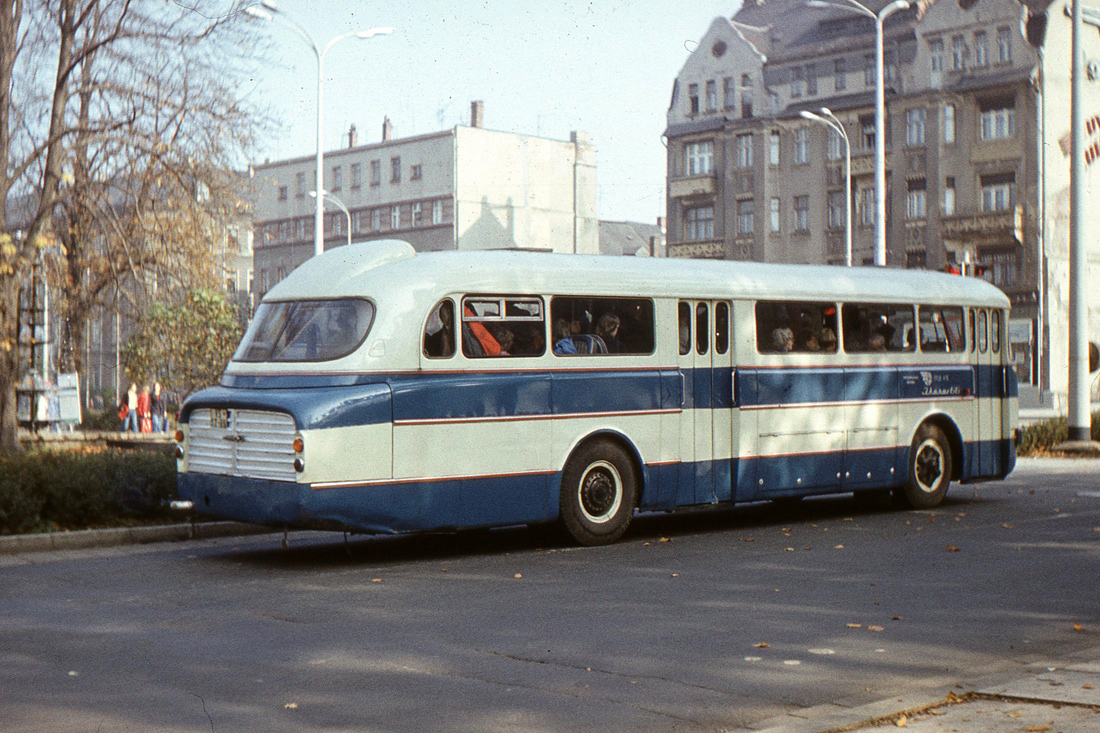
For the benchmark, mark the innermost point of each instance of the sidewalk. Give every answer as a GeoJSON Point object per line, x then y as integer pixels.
{"type": "Point", "coordinates": [1051, 697]}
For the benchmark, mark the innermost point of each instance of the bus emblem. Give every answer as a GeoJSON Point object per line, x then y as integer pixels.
{"type": "Point", "coordinates": [926, 377]}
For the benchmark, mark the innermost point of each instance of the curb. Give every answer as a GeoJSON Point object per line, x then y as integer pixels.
{"type": "Point", "coordinates": [114, 537]}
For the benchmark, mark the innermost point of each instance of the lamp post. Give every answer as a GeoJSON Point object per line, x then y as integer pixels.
{"type": "Point", "coordinates": [828, 118]}
{"type": "Point", "coordinates": [880, 17]}
{"type": "Point", "coordinates": [339, 204]}
{"type": "Point", "coordinates": [268, 10]}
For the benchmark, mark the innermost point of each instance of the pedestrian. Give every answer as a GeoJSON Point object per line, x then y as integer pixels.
{"type": "Point", "coordinates": [145, 421]}
{"type": "Point", "coordinates": [131, 409]}
{"type": "Point", "coordinates": [158, 407]}
{"type": "Point", "coordinates": [123, 413]}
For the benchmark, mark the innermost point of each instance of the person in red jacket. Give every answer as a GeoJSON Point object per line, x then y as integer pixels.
{"type": "Point", "coordinates": [145, 420]}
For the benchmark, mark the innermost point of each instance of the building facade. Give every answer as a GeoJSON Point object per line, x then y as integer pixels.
{"type": "Point", "coordinates": [977, 96]}
{"type": "Point", "coordinates": [463, 188]}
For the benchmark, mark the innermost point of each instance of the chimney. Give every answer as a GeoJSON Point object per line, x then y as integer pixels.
{"type": "Point", "coordinates": [387, 129]}
{"type": "Point", "coordinates": [477, 114]}
{"type": "Point", "coordinates": [661, 223]}
{"type": "Point", "coordinates": [353, 136]}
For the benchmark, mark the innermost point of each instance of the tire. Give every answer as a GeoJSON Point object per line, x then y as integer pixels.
{"type": "Point", "coordinates": [598, 490]}
{"type": "Point", "coordinates": [929, 468]}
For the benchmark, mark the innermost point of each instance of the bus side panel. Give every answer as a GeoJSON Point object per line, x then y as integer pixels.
{"type": "Point", "coordinates": [871, 418]}
{"type": "Point", "coordinates": [745, 454]}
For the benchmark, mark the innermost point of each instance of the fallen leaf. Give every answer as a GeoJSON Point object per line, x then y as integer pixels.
{"type": "Point", "coordinates": [931, 520]}
{"type": "Point", "coordinates": [936, 712]}
{"type": "Point", "coordinates": [1038, 728]}
{"type": "Point", "coordinates": [665, 539]}
{"type": "Point", "coordinates": [645, 544]}
{"type": "Point", "coordinates": [855, 626]}
{"type": "Point", "coordinates": [838, 547]}
{"type": "Point", "coordinates": [675, 575]}
{"type": "Point", "coordinates": [376, 580]}
{"type": "Point", "coordinates": [748, 539]}
{"type": "Point", "coordinates": [1078, 627]}
{"type": "Point", "coordinates": [762, 645]}
{"type": "Point", "coordinates": [291, 706]}
{"type": "Point", "coordinates": [876, 628]}
{"type": "Point", "coordinates": [786, 529]}
{"type": "Point", "coordinates": [952, 548]}
{"type": "Point", "coordinates": [789, 549]}
{"type": "Point", "coordinates": [1015, 714]}
{"type": "Point", "coordinates": [791, 662]}
{"type": "Point", "coordinates": [1009, 526]}
{"type": "Point", "coordinates": [1087, 686]}
{"type": "Point", "coordinates": [847, 519]}
{"type": "Point", "coordinates": [897, 618]}
{"type": "Point", "coordinates": [443, 570]}
{"type": "Point", "coordinates": [805, 547]}
{"type": "Point", "coordinates": [902, 721]}
{"type": "Point", "coordinates": [517, 576]}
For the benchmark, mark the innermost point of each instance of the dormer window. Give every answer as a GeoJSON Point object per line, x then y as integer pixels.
{"type": "Point", "coordinates": [693, 99]}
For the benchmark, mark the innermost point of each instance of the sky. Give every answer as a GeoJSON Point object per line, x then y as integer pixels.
{"type": "Point", "coordinates": [605, 67]}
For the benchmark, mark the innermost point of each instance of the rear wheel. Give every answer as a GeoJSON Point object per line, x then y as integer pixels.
{"type": "Point", "coordinates": [598, 489]}
{"type": "Point", "coordinates": [929, 468]}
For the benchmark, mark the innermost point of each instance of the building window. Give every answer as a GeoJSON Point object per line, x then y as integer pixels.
{"type": "Point", "coordinates": [773, 147]}
{"type": "Point", "coordinates": [395, 169]}
{"type": "Point", "coordinates": [869, 70]}
{"type": "Point", "coordinates": [802, 145]}
{"type": "Point", "coordinates": [699, 222]}
{"type": "Point", "coordinates": [693, 99]}
{"type": "Point", "coordinates": [338, 224]}
{"type": "Point", "coordinates": [746, 103]}
{"type": "Point", "coordinates": [301, 229]}
{"type": "Point", "coordinates": [802, 213]}
{"type": "Point", "coordinates": [282, 193]}
{"type": "Point", "coordinates": [998, 191]}
{"type": "Point", "coordinates": [729, 93]}
{"type": "Point", "coordinates": [357, 222]}
{"type": "Point", "coordinates": [867, 208]}
{"type": "Point", "coordinates": [745, 217]}
{"type": "Point", "coordinates": [811, 80]}
{"type": "Point", "coordinates": [1004, 45]}
{"type": "Point", "coordinates": [867, 131]}
{"type": "Point", "coordinates": [958, 53]}
{"type": "Point", "coordinates": [744, 151]}
{"type": "Point", "coordinates": [375, 172]}
{"type": "Point", "coordinates": [417, 220]}
{"type": "Point", "coordinates": [337, 178]}
{"type": "Point", "coordinates": [916, 260]}
{"type": "Point", "coordinates": [915, 202]}
{"type": "Point", "coordinates": [415, 172]}
{"type": "Point", "coordinates": [834, 214]}
{"type": "Point", "coordinates": [840, 82]}
{"type": "Point", "coordinates": [949, 196]}
{"type": "Point", "coordinates": [998, 123]}
{"type": "Point", "coordinates": [376, 220]}
{"type": "Point", "coordinates": [284, 231]}
{"type": "Point", "coordinates": [981, 49]}
{"type": "Point", "coordinates": [914, 126]}
{"type": "Point", "coordinates": [798, 81]}
{"type": "Point", "coordinates": [300, 181]}
{"type": "Point", "coordinates": [773, 213]}
{"type": "Point", "coordinates": [437, 212]}
{"type": "Point", "coordinates": [935, 50]}
{"type": "Point", "coordinates": [1001, 268]}
{"type": "Point", "coordinates": [699, 158]}
{"type": "Point", "coordinates": [833, 149]}
{"type": "Point", "coordinates": [356, 175]}
{"type": "Point", "coordinates": [712, 95]}
{"type": "Point", "coordinates": [949, 124]}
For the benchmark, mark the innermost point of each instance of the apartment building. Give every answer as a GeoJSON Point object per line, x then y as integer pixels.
{"type": "Point", "coordinates": [463, 188]}
{"type": "Point", "coordinates": [977, 97]}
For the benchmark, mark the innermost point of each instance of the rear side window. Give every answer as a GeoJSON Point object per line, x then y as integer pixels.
{"type": "Point", "coordinates": [799, 327]}
{"type": "Point", "coordinates": [306, 330]}
{"type": "Point", "coordinates": [995, 332]}
{"type": "Point", "coordinates": [878, 327]}
{"type": "Point", "coordinates": [602, 325]}
{"type": "Point", "coordinates": [941, 328]}
{"type": "Point", "coordinates": [503, 326]}
{"type": "Point", "coordinates": [439, 331]}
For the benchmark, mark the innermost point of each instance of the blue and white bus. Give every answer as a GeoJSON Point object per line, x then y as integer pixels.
{"type": "Point", "coordinates": [379, 390]}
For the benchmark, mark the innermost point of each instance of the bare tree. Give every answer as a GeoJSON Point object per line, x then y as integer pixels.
{"type": "Point", "coordinates": [135, 178]}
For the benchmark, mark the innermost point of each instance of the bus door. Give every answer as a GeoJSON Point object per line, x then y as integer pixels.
{"type": "Point", "coordinates": [705, 423]}
{"type": "Point", "coordinates": [990, 390]}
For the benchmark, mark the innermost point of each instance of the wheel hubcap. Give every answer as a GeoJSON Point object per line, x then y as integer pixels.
{"type": "Point", "coordinates": [928, 466]}
{"type": "Point", "coordinates": [600, 492]}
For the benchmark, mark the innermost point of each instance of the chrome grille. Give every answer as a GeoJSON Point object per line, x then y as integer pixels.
{"type": "Point", "coordinates": [245, 443]}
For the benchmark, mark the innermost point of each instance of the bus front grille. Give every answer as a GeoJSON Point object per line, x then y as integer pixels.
{"type": "Point", "coordinates": [244, 443]}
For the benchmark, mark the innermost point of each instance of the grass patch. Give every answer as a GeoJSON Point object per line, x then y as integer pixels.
{"type": "Point", "coordinates": [1040, 438]}
{"type": "Point", "coordinates": [51, 490]}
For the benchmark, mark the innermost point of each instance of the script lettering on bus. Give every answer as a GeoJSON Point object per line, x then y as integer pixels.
{"type": "Point", "coordinates": [932, 384]}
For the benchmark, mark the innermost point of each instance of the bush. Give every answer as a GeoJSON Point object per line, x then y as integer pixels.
{"type": "Point", "coordinates": [1041, 437]}
{"type": "Point", "coordinates": [105, 420]}
{"type": "Point", "coordinates": [76, 490]}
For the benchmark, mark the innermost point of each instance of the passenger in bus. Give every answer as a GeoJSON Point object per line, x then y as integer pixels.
{"type": "Point", "coordinates": [607, 328]}
{"type": "Point", "coordinates": [504, 337]}
{"type": "Point", "coordinates": [439, 329]}
{"type": "Point", "coordinates": [783, 340]}
{"type": "Point", "coordinates": [877, 342]}
{"type": "Point", "coordinates": [563, 337]}
{"type": "Point", "coordinates": [827, 340]}
{"type": "Point", "coordinates": [807, 341]}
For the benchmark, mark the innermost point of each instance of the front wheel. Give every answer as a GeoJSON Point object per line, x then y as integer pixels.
{"type": "Point", "coordinates": [929, 468]}
{"type": "Point", "coordinates": [598, 489]}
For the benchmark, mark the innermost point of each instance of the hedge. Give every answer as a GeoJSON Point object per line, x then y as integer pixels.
{"type": "Point", "coordinates": [1041, 437]}
{"type": "Point", "coordinates": [63, 490]}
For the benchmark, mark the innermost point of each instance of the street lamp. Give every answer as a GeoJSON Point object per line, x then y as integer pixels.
{"type": "Point", "coordinates": [880, 110]}
{"type": "Point", "coordinates": [339, 204]}
{"type": "Point", "coordinates": [828, 118]}
{"type": "Point", "coordinates": [268, 10]}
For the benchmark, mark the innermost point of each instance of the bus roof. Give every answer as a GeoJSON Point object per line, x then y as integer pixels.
{"type": "Point", "coordinates": [368, 268]}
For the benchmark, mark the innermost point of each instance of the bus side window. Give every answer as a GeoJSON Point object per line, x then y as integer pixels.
{"type": "Point", "coordinates": [685, 327]}
{"type": "Point", "coordinates": [941, 328]}
{"type": "Point", "coordinates": [877, 327]}
{"type": "Point", "coordinates": [502, 326]}
{"type": "Point", "coordinates": [721, 328]}
{"type": "Point", "coordinates": [973, 332]}
{"type": "Point", "coordinates": [439, 331]}
{"type": "Point", "coordinates": [995, 332]}
{"type": "Point", "coordinates": [983, 332]}
{"type": "Point", "coordinates": [599, 326]}
{"type": "Point", "coordinates": [702, 329]}
{"type": "Point", "coordinates": [795, 326]}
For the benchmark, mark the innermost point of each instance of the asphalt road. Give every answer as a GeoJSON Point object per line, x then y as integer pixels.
{"type": "Point", "coordinates": [705, 620]}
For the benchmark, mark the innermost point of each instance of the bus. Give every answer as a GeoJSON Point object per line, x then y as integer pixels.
{"type": "Point", "coordinates": [381, 390]}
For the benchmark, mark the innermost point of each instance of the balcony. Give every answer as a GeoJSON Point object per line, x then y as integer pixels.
{"type": "Point", "coordinates": [990, 225]}
{"type": "Point", "coordinates": [713, 249]}
{"type": "Point", "coordinates": [681, 188]}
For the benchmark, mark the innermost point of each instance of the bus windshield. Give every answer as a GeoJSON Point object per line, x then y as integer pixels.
{"type": "Point", "coordinates": [306, 330]}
